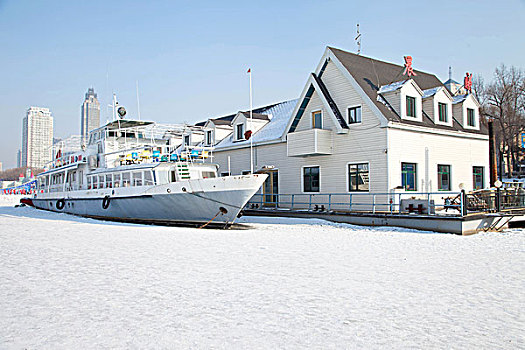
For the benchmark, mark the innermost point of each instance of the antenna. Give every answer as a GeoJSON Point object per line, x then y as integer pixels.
{"type": "Point", "coordinates": [138, 103]}
{"type": "Point", "coordinates": [450, 73]}
{"type": "Point", "coordinates": [358, 40]}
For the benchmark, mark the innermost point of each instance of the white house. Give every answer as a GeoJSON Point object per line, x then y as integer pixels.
{"type": "Point", "coordinates": [360, 126]}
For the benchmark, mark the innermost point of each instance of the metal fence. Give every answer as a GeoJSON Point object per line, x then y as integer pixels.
{"type": "Point", "coordinates": [429, 203]}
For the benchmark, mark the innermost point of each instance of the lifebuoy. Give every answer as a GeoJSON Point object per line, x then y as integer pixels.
{"type": "Point", "coordinates": [60, 204]}
{"type": "Point", "coordinates": [105, 202]}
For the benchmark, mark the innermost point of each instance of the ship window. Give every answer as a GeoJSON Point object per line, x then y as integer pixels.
{"type": "Point", "coordinates": [208, 174]}
{"type": "Point", "coordinates": [101, 181]}
{"type": "Point", "coordinates": [173, 177]}
{"type": "Point", "coordinates": [116, 180]}
{"type": "Point", "coordinates": [137, 179]}
{"type": "Point", "coordinates": [95, 182]}
{"type": "Point", "coordinates": [109, 183]}
{"type": "Point", "coordinates": [89, 182]}
{"type": "Point", "coordinates": [126, 180]}
{"type": "Point", "coordinates": [148, 178]}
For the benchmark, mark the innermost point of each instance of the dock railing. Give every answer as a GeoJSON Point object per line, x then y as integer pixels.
{"type": "Point", "coordinates": [426, 203]}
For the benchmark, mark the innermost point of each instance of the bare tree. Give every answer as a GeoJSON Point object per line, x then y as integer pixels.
{"type": "Point", "coordinates": [505, 104]}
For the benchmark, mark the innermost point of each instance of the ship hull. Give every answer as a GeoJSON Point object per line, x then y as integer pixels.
{"type": "Point", "coordinates": [215, 201]}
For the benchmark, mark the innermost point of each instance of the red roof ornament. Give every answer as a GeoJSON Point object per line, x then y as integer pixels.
{"type": "Point", "coordinates": [408, 66]}
{"type": "Point", "coordinates": [467, 82]}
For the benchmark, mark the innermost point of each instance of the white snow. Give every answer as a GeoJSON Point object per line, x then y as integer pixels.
{"type": "Point", "coordinates": [69, 282]}
{"type": "Point", "coordinates": [431, 92]}
{"type": "Point", "coordinates": [391, 87]}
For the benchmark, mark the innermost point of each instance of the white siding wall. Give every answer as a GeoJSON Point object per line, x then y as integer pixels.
{"type": "Point", "coordinates": [460, 153]}
{"type": "Point", "coordinates": [364, 143]}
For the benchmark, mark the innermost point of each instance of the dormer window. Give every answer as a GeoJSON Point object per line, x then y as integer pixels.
{"type": "Point", "coordinates": [209, 140]}
{"type": "Point", "coordinates": [317, 120]}
{"type": "Point", "coordinates": [471, 117]}
{"type": "Point", "coordinates": [411, 106]}
{"type": "Point", "coordinates": [442, 111]}
{"type": "Point", "coordinates": [240, 132]}
{"type": "Point", "coordinates": [354, 115]}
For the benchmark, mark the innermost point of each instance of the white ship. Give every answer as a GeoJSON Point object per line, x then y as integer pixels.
{"type": "Point", "coordinates": [127, 173]}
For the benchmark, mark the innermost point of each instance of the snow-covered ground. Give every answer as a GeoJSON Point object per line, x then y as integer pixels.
{"type": "Point", "coordinates": [68, 282]}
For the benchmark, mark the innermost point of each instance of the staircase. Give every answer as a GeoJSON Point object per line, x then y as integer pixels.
{"type": "Point", "coordinates": [183, 171]}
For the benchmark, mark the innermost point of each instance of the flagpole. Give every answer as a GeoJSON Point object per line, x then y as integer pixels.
{"type": "Point", "coordinates": [251, 123]}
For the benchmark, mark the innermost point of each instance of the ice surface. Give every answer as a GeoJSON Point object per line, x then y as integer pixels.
{"type": "Point", "coordinates": [69, 282]}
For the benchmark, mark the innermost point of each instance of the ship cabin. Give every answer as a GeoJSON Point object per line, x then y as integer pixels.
{"type": "Point", "coordinates": [127, 153]}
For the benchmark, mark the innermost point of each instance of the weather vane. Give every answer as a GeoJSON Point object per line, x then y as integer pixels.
{"type": "Point", "coordinates": [358, 40]}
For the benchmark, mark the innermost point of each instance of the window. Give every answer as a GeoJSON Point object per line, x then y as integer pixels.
{"type": "Point", "coordinates": [137, 179]}
{"type": "Point", "coordinates": [442, 110]}
{"type": "Point", "coordinates": [89, 182]}
{"type": "Point", "coordinates": [311, 179]}
{"type": "Point", "coordinates": [317, 120]}
{"type": "Point", "coordinates": [240, 132]}
{"type": "Point", "coordinates": [208, 138]}
{"type": "Point", "coordinates": [225, 174]}
{"type": "Point", "coordinates": [443, 177]}
{"type": "Point", "coordinates": [186, 140]}
{"type": "Point", "coordinates": [208, 174]}
{"type": "Point", "coordinates": [354, 115]}
{"type": "Point", "coordinates": [478, 174]}
{"type": "Point", "coordinates": [409, 176]}
{"type": "Point", "coordinates": [471, 117]}
{"type": "Point", "coordinates": [245, 172]}
{"type": "Point", "coordinates": [109, 182]}
{"type": "Point", "coordinates": [358, 177]}
{"type": "Point", "coordinates": [95, 186]}
{"type": "Point", "coordinates": [411, 106]}
{"type": "Point", "coordinates": [126, 182]}
{"type": "Point", "coordinates": [148, 178]}
{"type": "Point", "coordinates": [101, 181]}
{"type": "Point", "coordinates": [116, 180]}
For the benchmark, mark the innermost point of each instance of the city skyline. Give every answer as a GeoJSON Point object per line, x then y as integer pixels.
{"type": "Point", "coordinates": [190, 62]}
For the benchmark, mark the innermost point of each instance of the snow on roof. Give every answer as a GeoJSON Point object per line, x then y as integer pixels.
{"type": "Point", "coordinates": [450, 81]}
{"type": "Point", "coordinates": [391, 87]}
{"type": "Point", "coordinates": [273, 130]}
{"type": "Point", "coordinates": [459, 99]}
{"type": "Point", "coordinates": [430, 92]}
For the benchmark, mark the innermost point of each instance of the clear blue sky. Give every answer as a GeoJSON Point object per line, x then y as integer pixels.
{"type": "Point", "coordinates": [190, 58]}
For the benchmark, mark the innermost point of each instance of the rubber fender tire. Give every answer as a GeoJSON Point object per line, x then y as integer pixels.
{"type": "Point", "coordinates": [60, 204]}
{"type": "Point", "coordinates": [105, 202]}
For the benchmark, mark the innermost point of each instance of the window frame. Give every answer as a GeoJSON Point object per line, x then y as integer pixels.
{"type": "Point", "coordinates": [474, 168]}
{"type": "Point", "coordinates": [209, 137]}
{"type": "Point", "coordinates": [473, 125]}
{"type": "Point", "coordinates": [357, 108]}
{"type": "Point", "coordinates": [239, 136]}
{"type": "Point", "coordinates": [348, 177]}
{"type": "Point", "coordinates": [403, 172]}
{"type": "Point", "coordinates": [313, 114]}
{"type": "Point", "coordinates": [303, 175]}
{"type": "Point", "coordinates": [440, 182]}
{"type": "Point", "coordinates": [442, 111]}
{"type": "Point", "coordinates": [414, 109]}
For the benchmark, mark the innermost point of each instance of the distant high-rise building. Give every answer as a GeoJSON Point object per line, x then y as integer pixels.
{"type": "Point", "coordinates": [19, 158]}
{"type": "Point", "coordinates": [37, 137]}
{"type": "Point", "coordinates": [90, 114]}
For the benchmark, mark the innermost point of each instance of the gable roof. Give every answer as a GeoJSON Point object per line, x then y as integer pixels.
{"type": "Point", "coordinates": [370, 74]}
{"type": "Point", "coordinates": [271, 131]}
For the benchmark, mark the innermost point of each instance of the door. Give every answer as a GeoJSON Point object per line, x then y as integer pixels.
{"type": "Point", "coordinates": [271, 189]}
